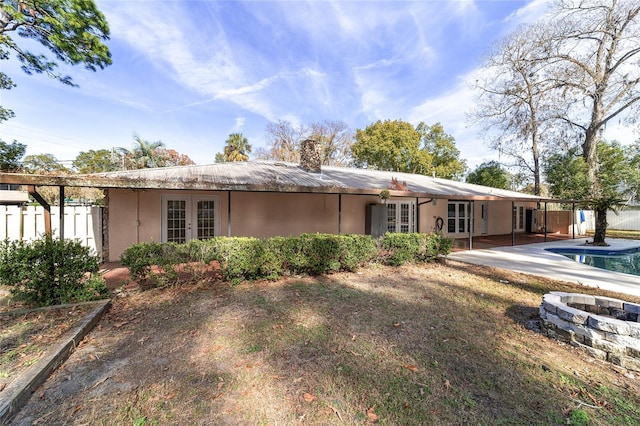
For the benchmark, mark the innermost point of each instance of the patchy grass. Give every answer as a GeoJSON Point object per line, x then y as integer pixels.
{"type": "Point", "coordinates": [435, 344]}
{"type": "Point", "coordinates": [615, 233]}
{"type": "Point", "coordinates": [26, 335]}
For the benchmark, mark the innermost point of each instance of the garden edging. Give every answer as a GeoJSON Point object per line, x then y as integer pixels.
{"type": "Point", "coordinates": [18, 392]}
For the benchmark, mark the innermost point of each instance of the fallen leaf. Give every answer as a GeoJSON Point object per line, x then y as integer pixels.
{"type": "Point", "coordinates": [396, 324]}
{"type": "Point", "coordinates": [309, 397]}
{"type": "Point", "coordinates": [447, 385]}
{"type": "Point", "coordinates": [220, 385]}
{"type": "Point", "coordinates": [371, 415]}
{"type": "Point", "coordinates": [411, 367]}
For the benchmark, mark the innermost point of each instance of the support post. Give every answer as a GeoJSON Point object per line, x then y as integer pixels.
{"type": "Point", "coordinates": [61, 218]}
{"type": "Point", "coordinates": [417, 213]}
{"type": "Point", "coordinates": [545, 222]}
{"type": "Point", "coordinates": [228, 213]}
{"type": "Point", "coordinates": [573, 221]}
{"type": "Point", "coordinates": [513, 223]}
{"type": "Point", "coordinates": [339, 214]}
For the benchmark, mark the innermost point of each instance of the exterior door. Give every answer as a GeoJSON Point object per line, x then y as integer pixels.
{"type": "Point", "coordinates": [518, 218]}
{"type": "Point", "coordinates": [187, 217]}
{"type": "Point", "coordinates": [400, 216]}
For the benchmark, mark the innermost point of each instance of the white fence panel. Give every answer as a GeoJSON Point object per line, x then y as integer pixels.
{"type": "Point", "coordinates": [81, 223]}
{"type": "Point", "coordinates": [625, 220]}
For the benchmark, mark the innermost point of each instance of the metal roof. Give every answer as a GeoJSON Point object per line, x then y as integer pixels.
{"type": "Point", "coordinates": [276, 177]}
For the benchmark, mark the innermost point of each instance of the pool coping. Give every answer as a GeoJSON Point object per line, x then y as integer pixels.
{"type": "Point", "coordinates": [535, 259]}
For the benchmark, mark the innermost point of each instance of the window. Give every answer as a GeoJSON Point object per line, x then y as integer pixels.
{"type": "Point", "coordinates": [457, 217]}
{"type": "Point", "coordinates": [185, 217]}
{"type": "Point", "coordinates": [400, 216]}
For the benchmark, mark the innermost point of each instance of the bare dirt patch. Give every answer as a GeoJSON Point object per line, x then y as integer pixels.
{"type": "Point", "coordinates": [434, 344]}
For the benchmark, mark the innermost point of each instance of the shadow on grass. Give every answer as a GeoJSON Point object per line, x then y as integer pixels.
{"type": "Point", "coordinates": [432, 345]}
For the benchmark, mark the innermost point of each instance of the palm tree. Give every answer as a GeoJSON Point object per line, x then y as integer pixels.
{"type": "Point", "coordinates": [145, 154]}
{"type": "Point", "coordinates": [237, 148]}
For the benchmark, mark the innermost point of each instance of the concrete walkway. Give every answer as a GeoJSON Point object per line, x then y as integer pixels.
{"type": "Point", "coordinates": [533, 259]}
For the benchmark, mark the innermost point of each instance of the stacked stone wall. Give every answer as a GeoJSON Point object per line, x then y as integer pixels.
{"type": "Point", "coordinates": [606, 328]}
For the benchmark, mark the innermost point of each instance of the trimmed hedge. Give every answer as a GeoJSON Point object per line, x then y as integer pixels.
{"type": "Point", "coordinates": [48, 271]}
{"type": "Point", "coordinates": [245, 258]}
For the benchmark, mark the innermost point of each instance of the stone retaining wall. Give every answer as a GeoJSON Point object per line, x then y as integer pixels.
{"type": "Point", "coordinates": [606, 328]}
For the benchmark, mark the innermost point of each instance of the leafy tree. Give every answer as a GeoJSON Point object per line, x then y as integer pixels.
{"type": "Point", "coordinates": [237, 148]}
{"type": "Point", "coordinates": [174, 158]}
{"type": "Point", "coordinates": [96, 161]}
{"type": "Point", "coordinates": [445, 157]}
{"type": "Point", "coordinates": [632, 153]}
{"type": "Point", "coordinates": [219, 158]}
{"type": "Point", "coordinates": [72, 30]}
{"type": "Point", "coordinates": [390, 145]}
{"type": "Point", "coordinates": [10, 155]}
{"type": "Point", "coordinates": [568, 177]}
{"type": "Point", "coordinates": [43, 164]}
{"type": "Point", "coordinates": [492, 174]}
{"type": "Point", "coordinates": [144, 155]}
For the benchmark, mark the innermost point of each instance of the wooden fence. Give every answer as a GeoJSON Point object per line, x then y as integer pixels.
{"type": "Point", "coordinates": [81, 223]}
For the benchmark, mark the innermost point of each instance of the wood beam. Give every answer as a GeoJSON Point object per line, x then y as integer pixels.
{"type": "Point", "coordinates": [31, 189]}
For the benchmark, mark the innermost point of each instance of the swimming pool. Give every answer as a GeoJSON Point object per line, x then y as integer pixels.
{"type": "Point", "coordinates": [625, 261]}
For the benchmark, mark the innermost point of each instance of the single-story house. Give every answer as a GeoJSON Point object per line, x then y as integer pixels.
{"type": "Point", "coordinates": [263, 199]}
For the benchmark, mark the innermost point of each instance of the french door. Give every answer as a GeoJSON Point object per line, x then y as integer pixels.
{"type": "Point", "coordinates": [400, 216]}
{"type": "Point", "coordinates": [187, 217]}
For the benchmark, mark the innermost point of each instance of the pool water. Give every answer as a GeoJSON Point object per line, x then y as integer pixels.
{"type": "Point", "coordinates": [625, 261]}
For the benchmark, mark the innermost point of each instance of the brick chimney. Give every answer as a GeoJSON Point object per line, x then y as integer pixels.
{"type": "Point", "coordinates": [310, 156]}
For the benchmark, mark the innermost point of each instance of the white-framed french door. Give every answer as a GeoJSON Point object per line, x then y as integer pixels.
{"type": "Point", "coordinates": [458, 217]}
{"type": "Point", "coordinates": [185, 217]}
{"type": "Point", "coordinates": [400, 216]}
{"type": "Point", "coordinates": [519, 217]}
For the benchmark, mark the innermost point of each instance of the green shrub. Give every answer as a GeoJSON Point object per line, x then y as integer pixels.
{"type": "Point", "coordinates": [244, 258]}
{"type": "Point", "coordinates": [398, 248]}
{"type": "Point", "coordinates": [240, 258]}
{"type": "Point", "coordinates": [139, 258]}
{"type": "Point", "coordinates": [48, 271]}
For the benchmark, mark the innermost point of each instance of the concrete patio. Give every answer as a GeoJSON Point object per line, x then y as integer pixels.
{"type": "Point", "coordinates": [533, 259]}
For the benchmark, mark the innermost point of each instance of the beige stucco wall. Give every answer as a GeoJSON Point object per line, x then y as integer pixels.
{"type": "Point", "coordinates": [135, 216]}
{"type": "Point", "coordinates": [270, 214]}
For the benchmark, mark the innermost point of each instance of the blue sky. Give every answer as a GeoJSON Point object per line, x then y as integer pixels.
{"type": "Point", "coordinates": [189, 73]}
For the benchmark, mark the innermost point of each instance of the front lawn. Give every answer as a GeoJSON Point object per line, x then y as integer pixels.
{"type": "Point", "coordinates": [433, 344]}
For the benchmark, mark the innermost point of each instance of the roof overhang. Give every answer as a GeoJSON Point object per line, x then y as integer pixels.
{"type": "Point", "coordinates": [119, 182]}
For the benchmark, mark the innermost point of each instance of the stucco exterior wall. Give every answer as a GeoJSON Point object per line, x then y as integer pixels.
{"type": "Point", "coordinates": [270, 214]}
{"type": "Point", "coordinates": [136, 216]}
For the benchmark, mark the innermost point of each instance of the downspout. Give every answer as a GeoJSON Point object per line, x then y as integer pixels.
{"type": "Point", "coordinates": [417, 229]}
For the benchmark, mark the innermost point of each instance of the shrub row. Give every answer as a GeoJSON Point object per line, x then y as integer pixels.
{"type": "Point", "coordinates": [48, 271]}
{"type": "Point", "coordinates": [244, 258]}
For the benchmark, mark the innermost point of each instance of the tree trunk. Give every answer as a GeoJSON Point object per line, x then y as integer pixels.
{"type": "Point", "coordinates": [601, 226]}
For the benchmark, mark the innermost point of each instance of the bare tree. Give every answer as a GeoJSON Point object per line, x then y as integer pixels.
{"type": "Point", "coordinates": [335, 140]}
{"type": "Point", "coordinates": [283, 139]}
{"type": "Point", "coordinates": [514, 106]}
{"type": "Point", "coordinates": [582, 67]}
